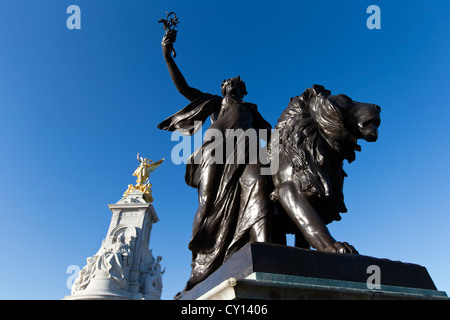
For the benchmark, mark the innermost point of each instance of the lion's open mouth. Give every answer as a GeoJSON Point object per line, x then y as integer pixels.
{"type": "Point", "coordinates": [375, 121]}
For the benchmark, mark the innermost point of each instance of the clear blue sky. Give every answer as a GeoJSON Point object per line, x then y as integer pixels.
{"type": "Point", "coordinates": [78, 105]}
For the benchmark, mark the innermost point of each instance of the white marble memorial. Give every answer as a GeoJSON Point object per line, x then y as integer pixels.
{"type": "Point", "coordinates": [124, 268]}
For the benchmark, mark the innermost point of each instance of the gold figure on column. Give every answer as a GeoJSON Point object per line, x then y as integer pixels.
{"type": "Point", "coordinates": [142, 174]}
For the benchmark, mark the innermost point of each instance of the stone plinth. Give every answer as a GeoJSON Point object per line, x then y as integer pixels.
{"type": "Point", "coordinates": [124, 267]}
{"type": "Point", "coordinates": [266, 271]}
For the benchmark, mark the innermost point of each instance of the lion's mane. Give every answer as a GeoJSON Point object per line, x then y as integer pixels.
{"type": "Point", "coordinates": [314, 140]}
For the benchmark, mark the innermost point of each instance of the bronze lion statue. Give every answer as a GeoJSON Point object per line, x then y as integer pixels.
{"type": "Point", "coordinates": [316, 133]}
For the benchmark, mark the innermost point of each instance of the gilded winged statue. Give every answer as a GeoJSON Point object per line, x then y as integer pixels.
{"type": "Point", "coordinates": [142, 174]}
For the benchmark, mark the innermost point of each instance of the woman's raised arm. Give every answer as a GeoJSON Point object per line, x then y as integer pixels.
{"type": "Point", "coordinates": [180, 83]}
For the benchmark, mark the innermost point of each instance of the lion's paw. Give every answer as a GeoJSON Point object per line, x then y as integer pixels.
{"type": "Point", "coordinates": [341, 247]}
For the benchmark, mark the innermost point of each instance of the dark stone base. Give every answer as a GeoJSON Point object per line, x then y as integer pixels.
{"type": "Point", "coordinates": [267, 271]}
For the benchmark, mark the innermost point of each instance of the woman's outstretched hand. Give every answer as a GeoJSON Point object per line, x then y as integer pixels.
{"type": "Point", "coordinates": [169, 25]}
{"type": "Point", "coordinates": [167, 42]}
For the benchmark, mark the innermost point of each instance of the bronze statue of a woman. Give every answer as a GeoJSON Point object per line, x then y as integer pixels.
{"type": "Point", "coordinates": [233, 197]}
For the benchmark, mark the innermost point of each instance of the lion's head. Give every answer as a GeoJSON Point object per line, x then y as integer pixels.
{"type": "Point", "coordinates": [317, 131]}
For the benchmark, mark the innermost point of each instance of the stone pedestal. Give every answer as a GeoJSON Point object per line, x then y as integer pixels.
{"type": "Point", "coordinates": [266, 271]}
{"type": "Point", "coordinates": [124, 268]}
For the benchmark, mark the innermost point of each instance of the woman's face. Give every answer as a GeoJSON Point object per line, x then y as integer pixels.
{"type": "Point", "coordinates": [231, 87]}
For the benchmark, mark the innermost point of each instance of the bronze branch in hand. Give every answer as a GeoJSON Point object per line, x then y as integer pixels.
{"type": "Point", "coordinates": [169, 25]}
